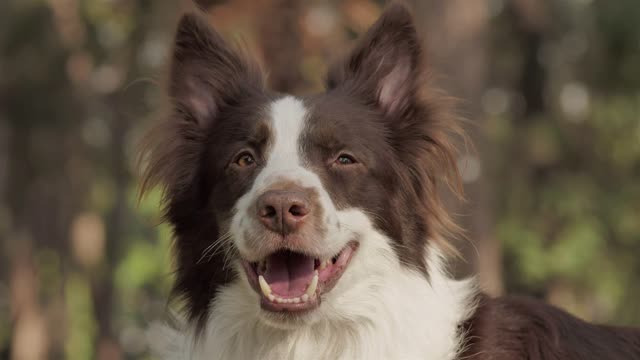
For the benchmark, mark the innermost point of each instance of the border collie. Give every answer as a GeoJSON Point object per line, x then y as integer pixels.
{"type": "Point", "coordinates": [311, 228]}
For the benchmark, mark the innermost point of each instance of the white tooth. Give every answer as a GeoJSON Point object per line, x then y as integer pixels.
{"type": "Point", "coordinates": [289, 301]}
{"type": "Point", "coordinates": [279, 300]}
{"type": "Point", "coordinates": [304, 298]}
{"type": "Point", "coordinates": [323, 264]}
{"type": "Point", "coordinates": [296, 300]}
{"type": "Point", "coordinates": [264, 286]}
{"type": "Point", "coordinates": [314, 284]}
{"type": "Point", "coordinates": [271, 297]}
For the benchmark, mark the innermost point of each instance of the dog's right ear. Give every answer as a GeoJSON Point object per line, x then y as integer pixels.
{"type": "Point", "coordinates": [205, 76]}
{"type": "Point", "coordinates": [206, 73]}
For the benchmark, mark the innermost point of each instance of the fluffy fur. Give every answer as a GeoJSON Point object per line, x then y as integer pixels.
{"type": "Point", "coordinates": [367, 156]}
{"type": "Point", "coordinates": [380, 318]}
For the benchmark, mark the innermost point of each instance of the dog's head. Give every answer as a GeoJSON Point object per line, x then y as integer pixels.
{"type": "Point", "coordinates": [286, 194]}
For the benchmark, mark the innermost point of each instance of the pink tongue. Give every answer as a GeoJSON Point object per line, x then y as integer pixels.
{"type": "Point", "coordinates": [288, 273]}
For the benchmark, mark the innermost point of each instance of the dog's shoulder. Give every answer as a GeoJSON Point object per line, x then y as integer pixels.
{"type": "Point", "coordinates": [513, 327]}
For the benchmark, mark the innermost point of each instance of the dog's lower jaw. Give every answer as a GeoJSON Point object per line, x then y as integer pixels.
{"type": "Point", "coordinates": [393, 314]}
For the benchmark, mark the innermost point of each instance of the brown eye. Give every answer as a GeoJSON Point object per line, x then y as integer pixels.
{"type": "Point", "coordinates": [345, 159]}
{"type": "Point", "coordinates": [245, 160]}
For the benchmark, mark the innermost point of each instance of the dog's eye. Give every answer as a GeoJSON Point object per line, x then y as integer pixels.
{"type": "Point", "coordinates": [245, 160]}
{"type": "Point", "coordinates": [345, 159]}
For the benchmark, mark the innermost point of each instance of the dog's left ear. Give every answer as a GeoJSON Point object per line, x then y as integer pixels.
{"type": "Point", "coordinates": [385, 65]}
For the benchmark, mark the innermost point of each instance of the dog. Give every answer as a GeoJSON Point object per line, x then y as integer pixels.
{"type": "Point", "coordinates": [311, 227]}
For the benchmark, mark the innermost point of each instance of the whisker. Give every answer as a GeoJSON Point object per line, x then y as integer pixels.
{"type": "Point", "coordinates": [210, 251]}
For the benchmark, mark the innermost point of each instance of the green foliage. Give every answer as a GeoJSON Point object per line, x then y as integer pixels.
{"type": "Point", "coordinates": [82, 327]}
{"type": "Point", "coordinates": [145, 264]}
{"type": "Point", "coordinates": [574, 212]}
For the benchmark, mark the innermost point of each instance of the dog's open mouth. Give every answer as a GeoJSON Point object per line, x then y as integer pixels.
{"type": "Point", "coordinates": [292, 281]}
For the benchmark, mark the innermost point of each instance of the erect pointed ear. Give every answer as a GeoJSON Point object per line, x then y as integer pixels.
{"type": "Point", "coordinates": [385, 63]}
{"type": "Point", "coordinates": [206, 73]}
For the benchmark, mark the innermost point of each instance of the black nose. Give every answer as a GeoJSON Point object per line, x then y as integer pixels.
{"type": "Point", "coordinates": [283, 211]}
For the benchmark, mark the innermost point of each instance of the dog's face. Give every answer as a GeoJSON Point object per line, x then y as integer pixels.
{"type": "Point", "coordinates": [301, 199]}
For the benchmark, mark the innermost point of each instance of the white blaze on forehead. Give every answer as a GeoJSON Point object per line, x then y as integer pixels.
{"type": "Point", "coordinates": [287, 118]}
{"type": "Point", "coordinates": [283, 158]}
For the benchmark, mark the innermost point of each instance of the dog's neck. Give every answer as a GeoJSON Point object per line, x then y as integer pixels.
{"type": "Point", "coordinates": [404, 316]}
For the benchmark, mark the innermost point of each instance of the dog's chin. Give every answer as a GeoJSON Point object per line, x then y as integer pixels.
{"type": "Point", "coordinates": [290, 321]}
{"type": "Point", "coordinates": [292, 285]}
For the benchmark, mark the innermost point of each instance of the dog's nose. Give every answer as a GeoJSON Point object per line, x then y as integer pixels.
{"type": "Point", "coordinates": [283, 211]}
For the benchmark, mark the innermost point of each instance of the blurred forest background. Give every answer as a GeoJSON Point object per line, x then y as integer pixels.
{"type": "Point", "coordinates": [551, 89]}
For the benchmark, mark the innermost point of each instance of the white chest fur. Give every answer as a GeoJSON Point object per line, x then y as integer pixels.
{"type": "Point", "coordinates": [399, 316]}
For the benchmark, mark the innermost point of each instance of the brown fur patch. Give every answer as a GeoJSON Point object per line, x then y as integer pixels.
{"type": "Point", "coordinates": [411, 134]}
{"type": "Point", "coordinates": [515, 328]}
{"type": "Point", "coordinates": [217, 102]}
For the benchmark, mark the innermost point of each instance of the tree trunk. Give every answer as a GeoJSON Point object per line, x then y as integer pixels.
{"type": "Point", "coordinates": [281, 44]}
{"type": "Point", "coordinates": [102, 286]}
